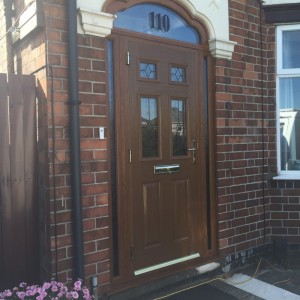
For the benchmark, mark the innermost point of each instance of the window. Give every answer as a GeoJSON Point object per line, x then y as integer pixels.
{"type": "Point", "coordinates": [157, 20]}
{"type": "Point", "coordinates": [288, 100]}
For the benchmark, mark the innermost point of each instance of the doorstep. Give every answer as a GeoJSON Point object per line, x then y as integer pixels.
{"type": "Point", "coordinates": [174, 286]}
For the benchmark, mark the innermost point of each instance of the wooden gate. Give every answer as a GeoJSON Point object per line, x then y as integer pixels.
{"type": "Point", "coordinates": [19, 253]}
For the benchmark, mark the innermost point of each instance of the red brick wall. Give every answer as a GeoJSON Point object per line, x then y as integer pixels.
{"type": "Point", "coordinates": [285, 210]}
{"type": "Point", "coordinates": [47, 49]}
{"type": "Point", "coordinates": [242, 136]}
{"type": "Point", "coordinates": [244, 144]}
{"type": "Point", "coordinates": [94, 113]}
{"type": "Point", "coordinates": [284, 194]}
{"type": "Point", "coordinates": [251, 208]}
{"type": "Point", "coordinates": [94, 164]}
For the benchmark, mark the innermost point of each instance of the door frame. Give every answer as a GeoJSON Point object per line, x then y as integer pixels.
{"type": "Point", "coordinates": [125, 277]}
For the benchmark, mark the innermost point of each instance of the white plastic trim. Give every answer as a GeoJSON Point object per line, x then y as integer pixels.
{"type": "Point", "coordinates": [213, 13]}
{"type": "Point", "coordinates": [221, 48]}
{"type": "Point", "coordinates": [208, 267]}
{"type": "Point", "coordinates": [273, 2]}
{"type": "Point", "coordinates": [94, 23]}
{"type": "Point", "coordinates": [287, 177]}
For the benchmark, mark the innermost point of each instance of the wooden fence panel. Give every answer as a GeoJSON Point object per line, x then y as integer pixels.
{"type": "Point", "coordinates": [30, 175]}
{"type": "Point", "coordinates": [19, 214]}
{"type": "Point", "coordinates": [5, 188]}
{"type": "Point", "coordinates": [17, 174]}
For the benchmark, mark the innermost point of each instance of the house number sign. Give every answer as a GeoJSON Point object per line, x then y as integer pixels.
{"type": "Point", "coordinates": [159, 22]}
{"type": "Point", "coordinates": [156, 20]}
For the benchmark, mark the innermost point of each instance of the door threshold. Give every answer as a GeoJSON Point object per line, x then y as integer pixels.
{"type": "Point", "coordinates": [166, 264]}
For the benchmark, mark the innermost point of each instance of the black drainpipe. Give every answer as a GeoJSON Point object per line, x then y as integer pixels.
{"type": "Point", "coordinates": [75, 141]}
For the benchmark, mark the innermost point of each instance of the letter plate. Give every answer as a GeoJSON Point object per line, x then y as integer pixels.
{"type": "Point", "coordinates": [162, 169]}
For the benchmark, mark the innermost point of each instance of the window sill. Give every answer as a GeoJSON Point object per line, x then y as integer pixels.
{"type": "Point", "coordinates": [287, 176]}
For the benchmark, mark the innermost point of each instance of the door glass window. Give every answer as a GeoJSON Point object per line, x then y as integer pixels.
{"type": "Point", "coordinates": [149, 126]}
{"type": "Point", "coordinates": [156, 20]}
{"type": "Point", "coordinates": [178, 74]}
{"type": "Point", "coordinates": [148, 70]}
{"type": "Point", "coordinates": [179, 132]}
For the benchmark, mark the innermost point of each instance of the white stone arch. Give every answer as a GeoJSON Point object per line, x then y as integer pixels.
{"type": "Point", "coordinates": [212, 13]}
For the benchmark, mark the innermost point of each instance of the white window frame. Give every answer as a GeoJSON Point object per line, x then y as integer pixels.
{"type": "Point", "coordinates": [283, 73]}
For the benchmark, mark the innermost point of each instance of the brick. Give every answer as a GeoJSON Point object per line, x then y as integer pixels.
{"type": "Point", "coordinates": [239, 150]}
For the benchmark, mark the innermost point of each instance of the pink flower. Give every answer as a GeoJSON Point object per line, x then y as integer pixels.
{"type": "Point", "coordinates": [59, 284]}
{"type": "Point", "coordinates": [64, 290]}
{"type": "Point", "coordinates": [42, 294]}
{"type": "Point", "coordinates": [54, 288]}
{"type": "Point", "coordinates": [75, 295]}
{"type": "Point", "coordinates": [46, 285]}
{"type": "Point", "coordinates": [22, 284]}
{"type": "Point", "coordinates": [7, 293]}
{"type": "Point", "coordinates": [77, 285]}
{"type": "Point", "coordinates": [21, 295]}
{"type": "Point", "coordinates": [57, 290]}
{"type": "Point", "coordinates": [86, 291]}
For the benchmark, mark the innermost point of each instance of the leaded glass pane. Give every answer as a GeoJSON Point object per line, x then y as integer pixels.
{"type": "Point", "coordinates": [150, 126]}
{"type": "Point", "coordinates": [178, 74]}
{"type": "Point", "coordinates": [179, 130]}
{"type": "Point", "coordinates": [148, 70]}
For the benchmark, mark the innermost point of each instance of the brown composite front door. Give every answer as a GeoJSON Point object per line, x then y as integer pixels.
{"type": "Point", "coordinates": [165, 178]}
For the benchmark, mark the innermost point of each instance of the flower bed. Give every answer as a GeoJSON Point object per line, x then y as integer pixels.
{"type": "Point", "coordinates": [48, 291]}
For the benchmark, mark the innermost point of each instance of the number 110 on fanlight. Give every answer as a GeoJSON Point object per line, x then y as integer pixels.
{"type": "Point", "coordinates": [159, 22]}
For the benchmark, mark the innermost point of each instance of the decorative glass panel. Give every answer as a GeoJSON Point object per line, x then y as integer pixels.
{"type": "Point", "coordinates": [179, 132]}
{"type": "Point", "coordinates": [155, 19]}
{"type": "Point", "coordinates": [178, 74]}
{"type": "Point", "coordinates": [289, 101]}
{"type": "Point", "coordinates": [148, 70]}
{"type": "Point", "coordinates": [291, 49]}
{"type": "Point", "coordinates": [149, 124]}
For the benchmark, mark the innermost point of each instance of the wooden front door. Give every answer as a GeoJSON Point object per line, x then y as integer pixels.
{"type": "Point", "coordinates": [165, 180]}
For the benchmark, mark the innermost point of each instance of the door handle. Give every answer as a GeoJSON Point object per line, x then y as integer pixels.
{"type": "Point", "coordinates": [193, 149]}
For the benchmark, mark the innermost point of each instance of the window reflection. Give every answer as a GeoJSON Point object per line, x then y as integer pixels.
{"type": "Point", "coordinates": [179, 127]}
{"type": "Point", "coordinates": [290, 123]}
{"type": "Point", "coordinates": [138, 18]}
{"type": "Point", "coordinates": [149, 124]}
{"type": "Point", "coordinates": [291, 49]}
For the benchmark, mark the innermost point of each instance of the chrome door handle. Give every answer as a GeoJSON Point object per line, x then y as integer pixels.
{"type": "Point", "coordinates": [193, 149]}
